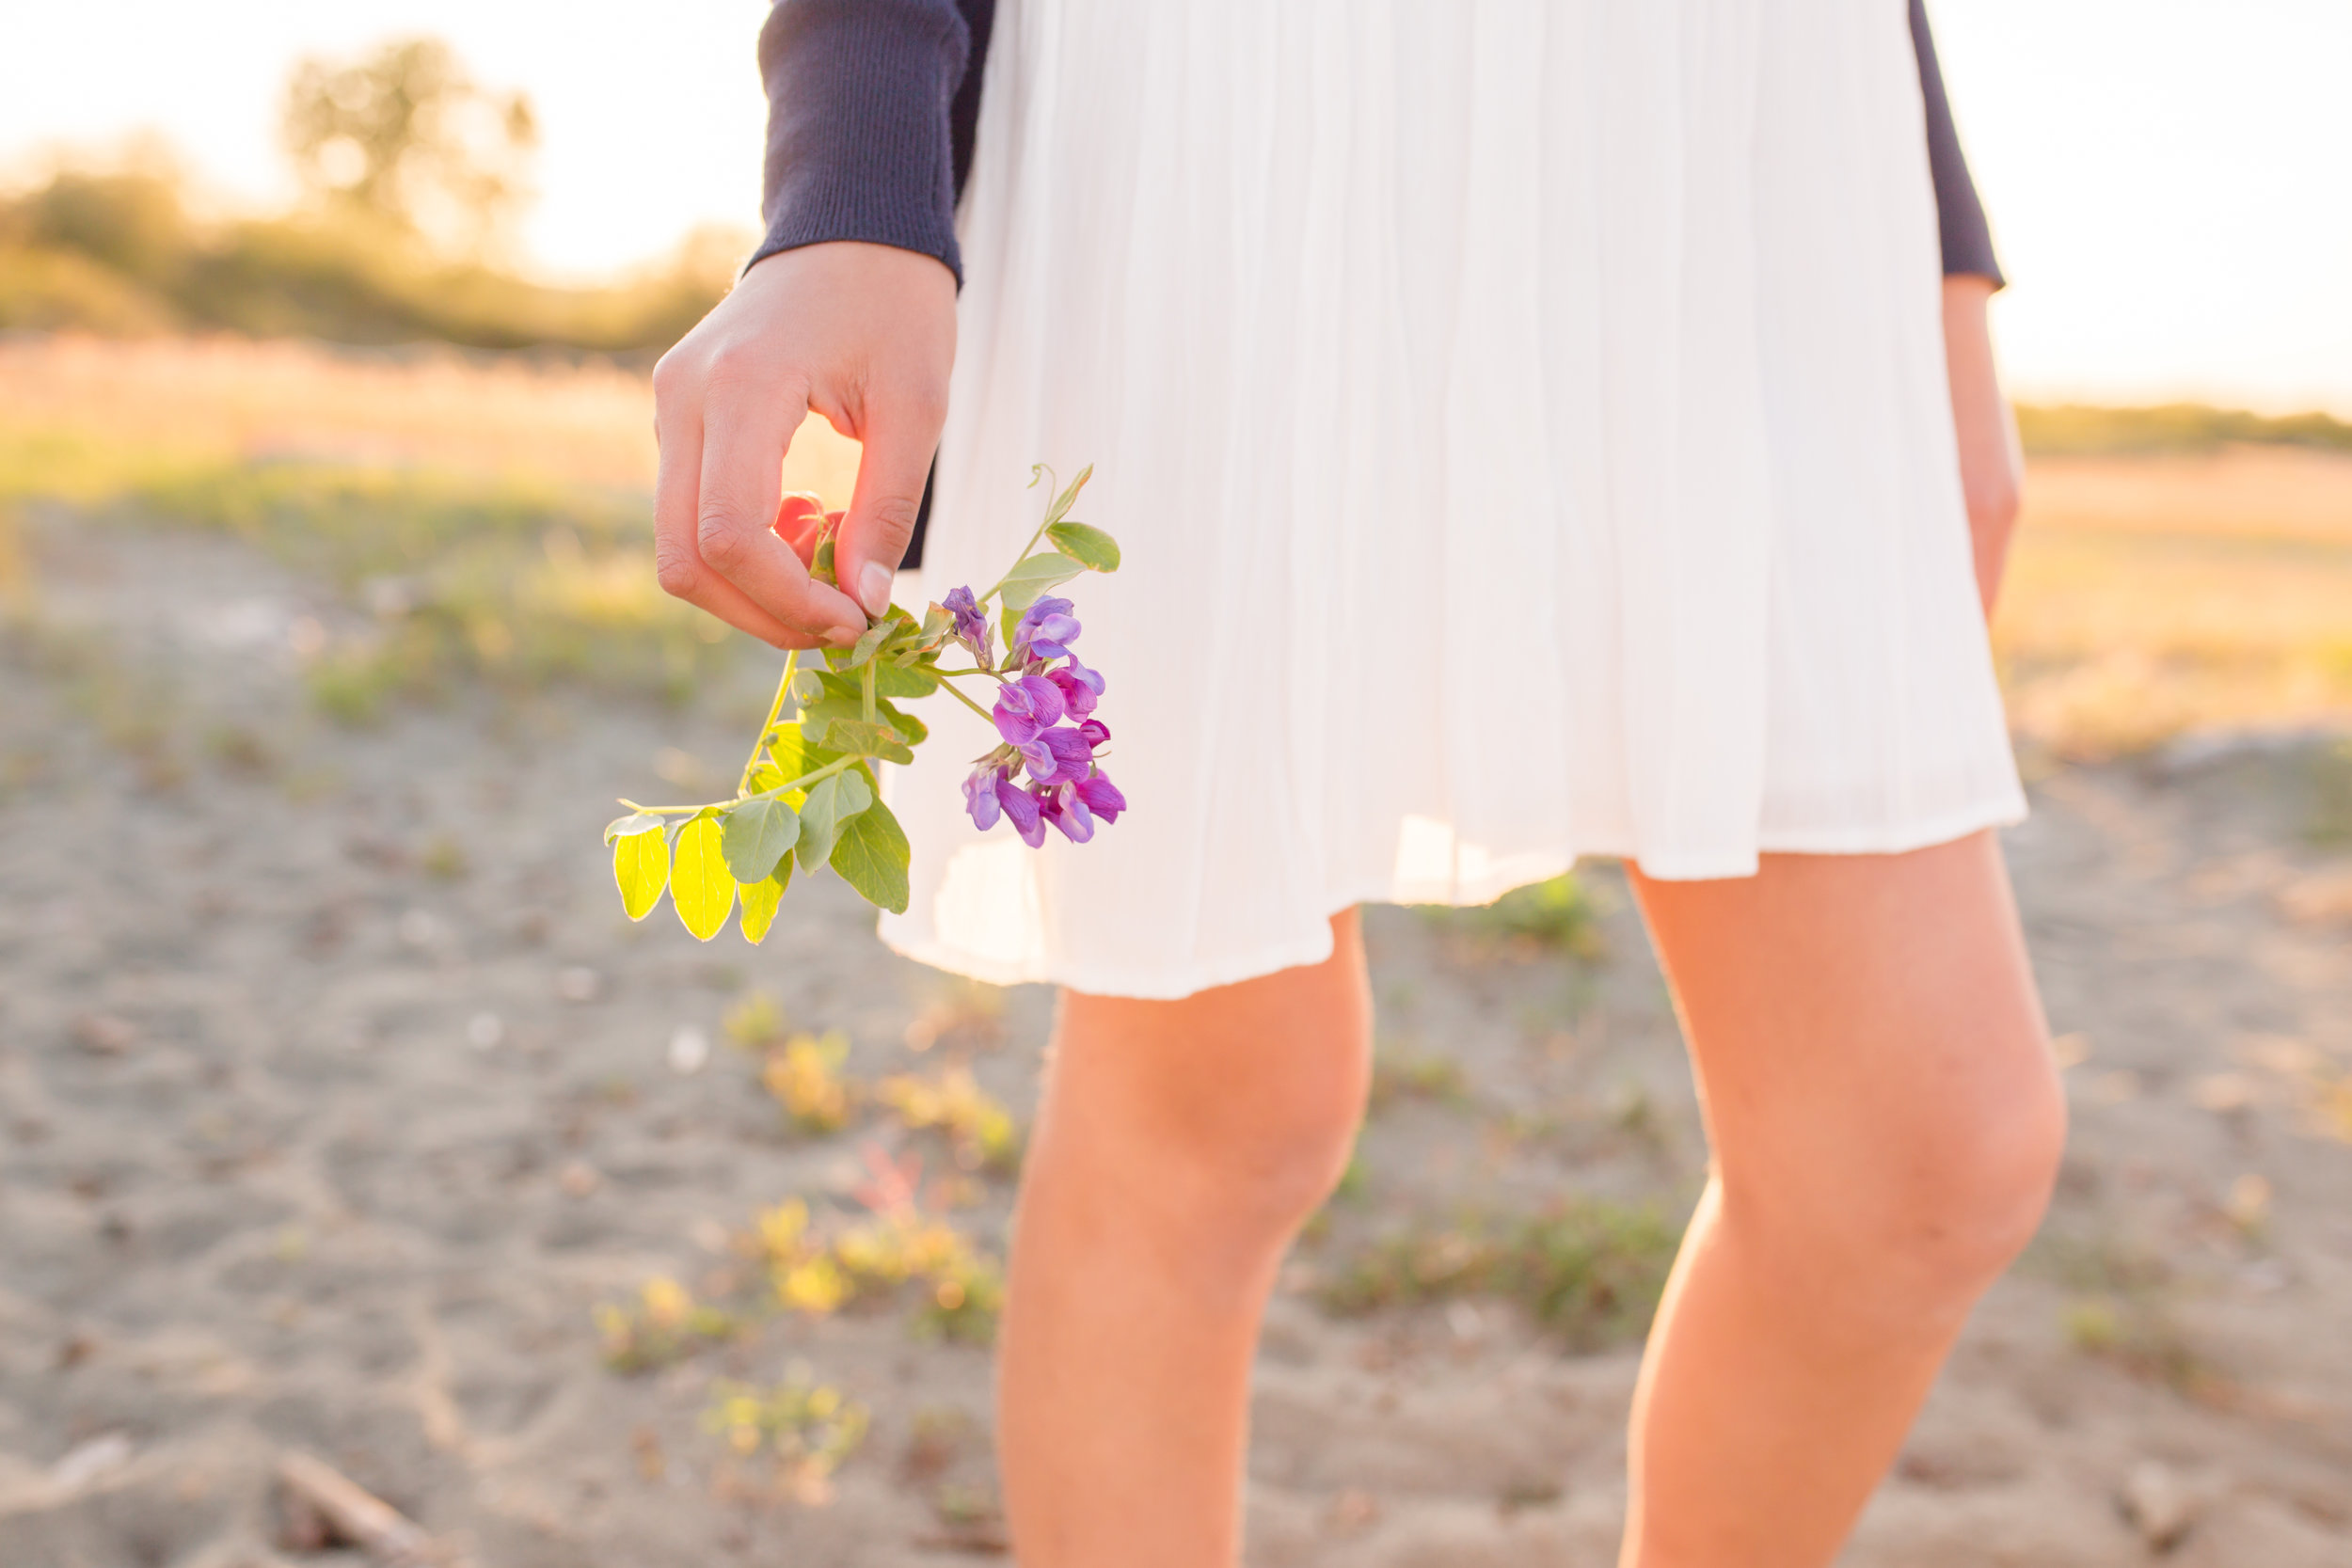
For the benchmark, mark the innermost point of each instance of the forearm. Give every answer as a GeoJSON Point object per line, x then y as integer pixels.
{"type": "Point", "coordinates": [1990, 466]}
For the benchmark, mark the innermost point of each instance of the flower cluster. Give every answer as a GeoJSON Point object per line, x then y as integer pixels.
{"type": "Point", "coordinates": [1044, 714]}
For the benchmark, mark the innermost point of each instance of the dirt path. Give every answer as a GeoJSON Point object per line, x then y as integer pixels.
{"type": "Point", "coordinates": [335, 1093]}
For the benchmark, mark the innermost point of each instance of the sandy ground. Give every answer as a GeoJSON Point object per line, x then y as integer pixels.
{"type": "Point", "coordinates": [269, 1180]}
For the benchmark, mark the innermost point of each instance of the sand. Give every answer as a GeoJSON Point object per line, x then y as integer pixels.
{"type": "Point", "coordinates": [336, 1092]}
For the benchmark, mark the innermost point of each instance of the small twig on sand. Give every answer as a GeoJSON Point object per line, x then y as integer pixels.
{"type": "Point", "coordinates": [324, 1506]}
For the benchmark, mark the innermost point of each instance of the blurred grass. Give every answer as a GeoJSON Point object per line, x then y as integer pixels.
{"type": "Point", "coordinates": [509, 579]}
{"type": "Point", "coordinates": [485, 521]}
{"type": "Point", "coordinates": [2153, 595]}
{"type": "Point", "coordinates": [2079, 429]}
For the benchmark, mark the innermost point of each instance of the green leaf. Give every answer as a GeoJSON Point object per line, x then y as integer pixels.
{"type": "Point", "coordinates": [756, 835]}
{"type": "Point", "coordinates": [624, 827]}
{"type": "Point", "coordinates": [918, 680]}
{"type": "Point", "coordinates": [641, 864]}
{"type": "Point", "coordinates": [699, 884]}
{"type": "Point", "coordinates": [854, 737]}
{"type": "Point", "coordinates": [863, 649]}
{"type": "Point", "coordinates": [1032, 575]}
{"type": "Point", "coordinates": [1086, 542]}
{"type": "Point", "coordinates": [807, 684]}
{"type": "Point", "coordinates": [760, 899]}
{"type": "Point", "coordinates": [1069, 497]}
{"type": "Point", "coordinates": [872, 856]}
{"type": "Point", "coordinates": [910, 730]}
{"type": "Point", "coordinates": [830, 802]}
{"type": "Point", "coordinates": [796, 756]}
{"type": "Point", "coordinates": [820, 563]}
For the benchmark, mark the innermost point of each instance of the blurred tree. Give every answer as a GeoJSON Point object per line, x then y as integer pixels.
{"type": "Point", "coordinates": [407, 137]}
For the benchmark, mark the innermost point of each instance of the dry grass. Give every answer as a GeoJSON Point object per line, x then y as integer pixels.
{"type": "Point", "coordinates": [2153, 595]}
{"type": "Point", "coordinates": [230, 397]}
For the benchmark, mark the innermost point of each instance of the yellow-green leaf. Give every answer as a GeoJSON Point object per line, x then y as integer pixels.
{"type": "Point", "coordinates": [1086, 542]}
{"type": "Point", "coordinates": [760, 899]}
{"type": "Point", "coordinates": [1033, 575]}
{"type": "Point", "coordinates": [641, 864]}
{"type": "Point", "coordinates": [699, 883]}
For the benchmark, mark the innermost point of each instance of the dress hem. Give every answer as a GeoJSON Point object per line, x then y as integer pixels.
{"type": "Point", "coordinates": [1096, 980]}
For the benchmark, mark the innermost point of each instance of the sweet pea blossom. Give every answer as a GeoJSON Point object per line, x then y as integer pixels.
{"type": "Point", "coordinates": [1026, 706]}
{"type": "Point", "coordinates": [1023, 809]}
{"type": "Point", "coordinates": [1067, 810]}
{"type": "Point", "coordinates": [1079, 686]}
{"type": "Point", "coordinates": [979, 795]}
{"type": "Point", "coordinates": [1045, 630]}
{"type": "Point", "coordinates": [1101, 796]}
{"type": "Point", "coordinates": [1068, 756]}
{"type": "Point", "coordinates": [971, 624]}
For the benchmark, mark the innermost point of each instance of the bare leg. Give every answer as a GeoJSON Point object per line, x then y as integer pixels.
{"type": "Point", "coordinates": [1179, 1147]}
{"type": "Point", "coordinates": [1887, 1124]}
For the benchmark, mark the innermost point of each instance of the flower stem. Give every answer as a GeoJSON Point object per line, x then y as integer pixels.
{"type": "Point", "coordinates": [967, 702]}
{"type": "Point", "coordinates": [775, 710]}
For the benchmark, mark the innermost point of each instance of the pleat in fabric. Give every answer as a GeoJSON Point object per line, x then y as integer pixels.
{"type": "Point", "coordinates": [1526, 427]}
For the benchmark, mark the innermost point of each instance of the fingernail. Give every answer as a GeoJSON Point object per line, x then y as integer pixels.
{"type": "Point", "coordinates": [873, 588]}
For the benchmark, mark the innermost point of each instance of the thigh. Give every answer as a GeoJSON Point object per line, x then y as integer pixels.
{"type": "Point", "coordinates": [1861, 1026]}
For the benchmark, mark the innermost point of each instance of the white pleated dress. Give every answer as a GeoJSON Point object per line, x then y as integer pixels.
{"type": "Point", "coordinates": [1526, 425]}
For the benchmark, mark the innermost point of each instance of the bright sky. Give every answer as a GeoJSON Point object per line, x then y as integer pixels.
{"type": "Point", "coordinates": [2168, 178]}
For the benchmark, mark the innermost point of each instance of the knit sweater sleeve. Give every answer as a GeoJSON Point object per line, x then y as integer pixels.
{"type": "Point", "coordinates": [1960, 215]}
{"type": "Point", "coordinates": [861, 97]}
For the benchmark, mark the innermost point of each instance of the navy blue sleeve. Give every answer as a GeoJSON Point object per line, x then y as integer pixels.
{"type": "Point", "coordinates": [1960, 216]}
{"type": "Point", "coordinates": [862, 99]}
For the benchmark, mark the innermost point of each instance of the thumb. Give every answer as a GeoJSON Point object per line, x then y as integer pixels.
{"type": "Point", "coordinates": [891, 473]}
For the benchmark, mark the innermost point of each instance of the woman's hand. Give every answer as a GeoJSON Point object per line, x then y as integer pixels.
{"type": "Point", "coordinates": [862, 334]}
{"type": "Point", "coordinates": [1991, 467]}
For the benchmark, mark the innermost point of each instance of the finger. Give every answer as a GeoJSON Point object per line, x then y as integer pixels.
{"type": "Point", "coordinates": [744, 439]}
{"type": "Point", "coordinates": [678, 564]}
{"type": "Point", "coordinates": [900, 435]}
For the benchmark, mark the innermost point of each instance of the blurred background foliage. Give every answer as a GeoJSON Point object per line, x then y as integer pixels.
{"type": "Point", "coordinates": [413, 175]}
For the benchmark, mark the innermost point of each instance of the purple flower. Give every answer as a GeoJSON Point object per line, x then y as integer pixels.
{"type": "Point", "coordinates": [1067, 759]}
{"type": "Point", "coordinates": [1079, 686]}
{"type": "Point", "coordinates": [1096, 732]}
{"type": "Point", "coordinates": [1045, 630]}
{"type": "Point", "coordinates": [1022, 809]}
{"type": "Point", "coordinates": [979, 795]}
{"type": "Point", "coordinates": [971, 624]}
{"type": "Point", "coordinates": [1024, 706]}
{"type": "Point", "coordinates": [1101, 796]}
{"type": "Point", "coordinates": [1065, 810]}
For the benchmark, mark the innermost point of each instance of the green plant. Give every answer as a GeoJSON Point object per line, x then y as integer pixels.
{"type": "Point", "coordinates": [1399, 1073]}
{"type": "Point", "coordinates": [665, 1325]}
{"type": "Point", "coordinates": [1590, 1271]}
{"type": "Point", "coordinates": [1556, 915]}
{"type": "Point", "coordinates": [809, 797]}
{"type": "Point", "coordinates": [979, 1129]}
{"type": "Point", "coordinates": [810, 1428]}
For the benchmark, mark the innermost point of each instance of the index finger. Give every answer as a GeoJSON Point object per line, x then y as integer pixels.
{"type": "Point", "coordinates": [744, 440]}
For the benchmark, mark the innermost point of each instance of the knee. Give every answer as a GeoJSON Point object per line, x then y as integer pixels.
{"type": "Point", "coordinates": [1938, 1200]}
{"type": "Point", "coordinates": [1259, 1150]}
{"type": "Point", "coordinates": [1222, 1124]}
